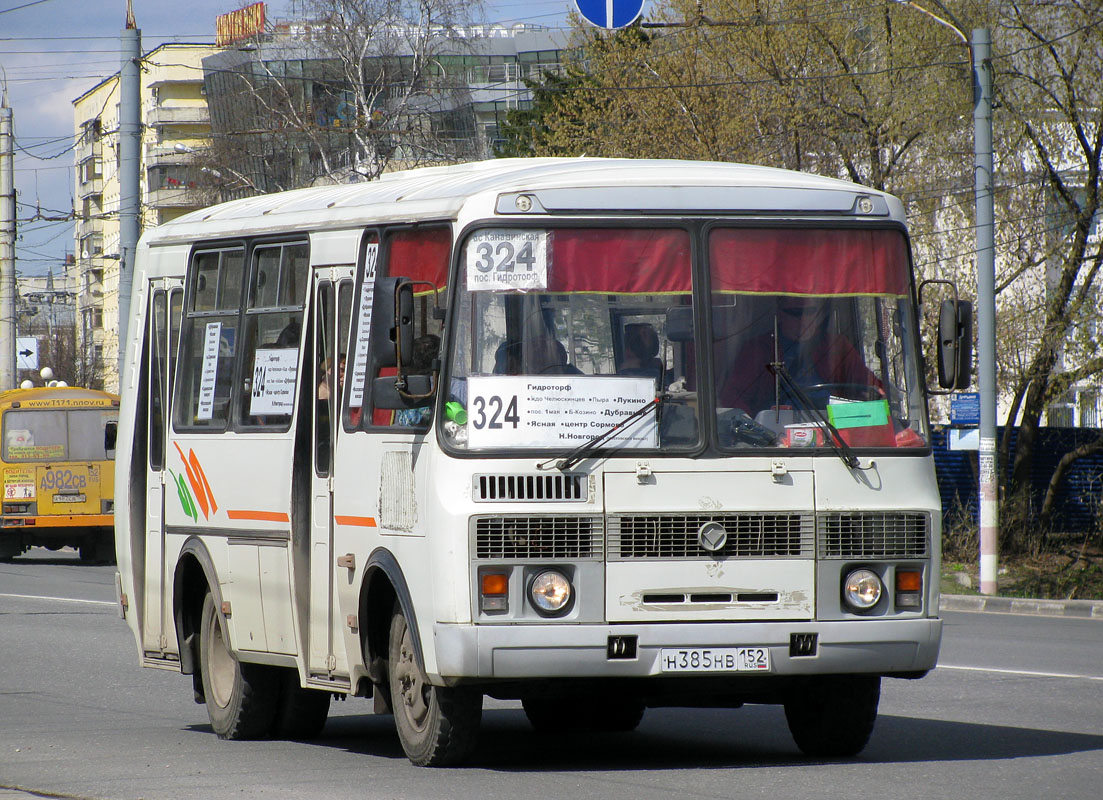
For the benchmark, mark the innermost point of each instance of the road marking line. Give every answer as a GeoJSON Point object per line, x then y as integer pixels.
{"type": "Point", "coordinates": [60, 599]}
{"type": "Point", "coordinates": [1024, 672]}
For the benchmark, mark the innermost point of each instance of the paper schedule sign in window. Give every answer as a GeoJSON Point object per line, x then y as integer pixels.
{"type": "Point", "coordinates": [560, 412]}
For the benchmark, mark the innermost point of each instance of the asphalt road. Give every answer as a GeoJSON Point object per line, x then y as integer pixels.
{"type": "Point", "coordinates": [1015, 710]}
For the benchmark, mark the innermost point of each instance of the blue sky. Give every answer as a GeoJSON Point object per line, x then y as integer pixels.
{"type": "Point", "coordinates": [52, 51]}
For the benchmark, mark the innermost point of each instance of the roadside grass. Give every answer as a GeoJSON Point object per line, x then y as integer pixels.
{"type": "Point", "coordinates": [1068, 568]}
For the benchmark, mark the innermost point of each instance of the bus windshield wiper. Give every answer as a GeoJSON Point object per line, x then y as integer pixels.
{"type": "Point", "coordinates": [572, 457]}
{"type": "Point", "coordinates": [834, 438]}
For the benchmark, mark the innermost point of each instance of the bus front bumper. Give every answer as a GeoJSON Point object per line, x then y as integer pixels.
{"type": "Point", "coordinates": [883, 647]}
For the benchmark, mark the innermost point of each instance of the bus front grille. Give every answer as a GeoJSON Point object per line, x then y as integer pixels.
{"type": "Point", "coordinates": [678, 536]}
{"type": "Point", "coordinates": [866, 534]}
{"type": "Point", "coordinates": [538, 537]}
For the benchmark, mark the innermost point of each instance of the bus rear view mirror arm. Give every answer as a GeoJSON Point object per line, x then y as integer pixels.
{"type": "Point", "coordinates": [418, 388]}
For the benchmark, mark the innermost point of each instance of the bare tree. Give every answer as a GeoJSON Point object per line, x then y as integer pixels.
{"type": "Point", "coordinates": [361, 86]}
{"type": "Point", "coordinates": [1051, 115]}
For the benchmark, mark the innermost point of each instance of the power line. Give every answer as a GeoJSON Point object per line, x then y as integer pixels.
{"type": "Point", "coordinates": [25, 5]}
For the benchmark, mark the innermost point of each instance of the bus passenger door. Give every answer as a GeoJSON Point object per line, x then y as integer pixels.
{"type": "Point", "coordinates": [332, 299]}
{"type": "Point", "coordinates": [162, 331]}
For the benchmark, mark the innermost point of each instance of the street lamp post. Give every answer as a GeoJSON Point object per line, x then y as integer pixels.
{"type": "Point", "coordinates": [980, 56]}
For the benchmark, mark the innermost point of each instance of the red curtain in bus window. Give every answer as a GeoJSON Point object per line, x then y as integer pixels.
{"type": "Point", "coordinates": [421, 255]}
{"type": "Point", "coordinates": [808, 261]}
{"type": "Point", "coordinates": [620, 261]}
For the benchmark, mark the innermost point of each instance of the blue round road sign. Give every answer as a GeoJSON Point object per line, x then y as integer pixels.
{"type": "Point", "coordinates": [609, 13]}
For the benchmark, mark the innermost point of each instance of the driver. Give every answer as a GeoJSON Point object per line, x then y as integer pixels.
{"type": "Point", "coordinates": [812, 355]}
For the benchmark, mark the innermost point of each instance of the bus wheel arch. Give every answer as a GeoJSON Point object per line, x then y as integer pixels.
{"type": "Point", "coordinates": [193, 578]}
{"type": "Point", "coordinates": [383, 586]}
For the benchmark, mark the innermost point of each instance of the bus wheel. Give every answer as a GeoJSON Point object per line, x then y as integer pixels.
{"type": "Point", "coordinates": [241, 698]}
{"type": "Point", "coordinates": [833, 716]}
{"type": "Point", "coordinates": [595, 714]}
{"type": "Point", "coordinates": [10, 547]}
{"type": "Point", "coordinates": [302, 712]}
{"type": "Point", "coordinates": [436, 725]}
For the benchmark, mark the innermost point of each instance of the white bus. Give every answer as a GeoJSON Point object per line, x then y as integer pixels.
{"type": "Point", "coordinates": [595, 435]}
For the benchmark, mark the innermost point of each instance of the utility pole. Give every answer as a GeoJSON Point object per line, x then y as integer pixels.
{"type": "Point", "coordinates": [987, 484]}
{"type": "Point", "coordinates": [980, 57]}
{"type": "Point", "coordinates": [7, 247]}
{"type": "Point", "coordinates": [130, 142]}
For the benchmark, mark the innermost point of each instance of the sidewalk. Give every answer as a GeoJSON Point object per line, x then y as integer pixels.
{"type": "Point", "coordinates": [1084, 609]}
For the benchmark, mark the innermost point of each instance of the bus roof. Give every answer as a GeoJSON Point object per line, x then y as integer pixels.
{"type": "Point", "coordinates": [56, 394]}
{"type": "Point", "coordinates": [441, 192]}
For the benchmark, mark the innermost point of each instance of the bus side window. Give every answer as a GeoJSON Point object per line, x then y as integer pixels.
{"type": "Point", "coordinates": [209, 339]}
{"type": "Point", "coordinates": [157, 395]}
{"type": "Point", "coordinates": [272, 334]}
{"type": "Point", "coordinates": [421, 255]}
{"type": "Point", "coordinates": [326, 396]}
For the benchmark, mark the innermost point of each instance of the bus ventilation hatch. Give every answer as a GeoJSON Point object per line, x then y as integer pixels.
{"type": "Point", "coordinates": [557, 488]}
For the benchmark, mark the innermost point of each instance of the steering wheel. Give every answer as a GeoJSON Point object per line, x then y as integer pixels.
{"type": "Point", "coordinates": [850, 391]}
{"type": "Point", "coordinates": [559, 369]}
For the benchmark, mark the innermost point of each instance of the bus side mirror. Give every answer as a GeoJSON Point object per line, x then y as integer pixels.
{"type": "Point", "coordinates": [392, 321]}
{"type": "Point", "coordinates": [110, 436]}
{"type": "Point", "coordinates": [955, 344]}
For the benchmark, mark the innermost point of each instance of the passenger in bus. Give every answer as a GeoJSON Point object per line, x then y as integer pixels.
{"type": "Point", "coordinates": [812, 355]}
{"type": "Point", "coordinates": [289, 336]}
{"type": "Point", "coordinates": [327, 382]}
{"type": "Point", "coordinates": [507, 359]}
{"type": "Point", "coordinates": [641, 343]}
{"type": "Point", "coordinates": [330, 386]}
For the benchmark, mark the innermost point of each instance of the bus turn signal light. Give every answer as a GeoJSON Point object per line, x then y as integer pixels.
{"type": "Point", "coordinates": [909, 586]}
{"type": "Point", "coordinates": [494, 591]}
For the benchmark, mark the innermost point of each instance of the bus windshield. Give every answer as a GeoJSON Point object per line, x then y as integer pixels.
{"type": "Point", "coordinates": [813, 326]}
{"type": "Point", "coordinates": [562, 333]}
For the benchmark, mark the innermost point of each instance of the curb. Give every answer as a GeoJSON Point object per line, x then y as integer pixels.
{"type": "Point", "coordinates": [1079, 609]}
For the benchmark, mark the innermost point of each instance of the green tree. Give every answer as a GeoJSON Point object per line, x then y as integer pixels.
{"type": "Point", "coordinates": [525, 130]}
{"type": "Point", "coordinates": [880, 94]}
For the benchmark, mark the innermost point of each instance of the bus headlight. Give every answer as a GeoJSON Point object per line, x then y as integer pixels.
{"type": "Point", "coordinates": [550, 592]}
{"type": "Point", "coordinates": [862, 589]}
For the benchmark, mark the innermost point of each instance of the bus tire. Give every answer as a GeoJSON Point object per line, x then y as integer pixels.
{"type": "Point", "coordinates": [10, 547]}
{"type": "Point", "coordinates": [583, 715]}
{"type": "Point", "coordinates": [241, 698]}
{"type": "Point", "coordinates": [436, 725]}
{"type": "Point", "coordinates": [833, 716]}
{"type": "Point", "coordinates": [301, 713]}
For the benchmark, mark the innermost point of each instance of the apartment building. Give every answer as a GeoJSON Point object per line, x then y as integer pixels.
{"type": "Point", "coordinates": [175, 123]}
{"type": "Point", "coordinates": [283, 114]}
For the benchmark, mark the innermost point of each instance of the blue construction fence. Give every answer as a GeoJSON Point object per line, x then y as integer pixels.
{"type": "Point", "coordinates": [1080, 498]}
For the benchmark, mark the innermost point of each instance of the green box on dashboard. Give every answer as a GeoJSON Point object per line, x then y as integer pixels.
{"type": "Point", "coordinates": [859, 415]}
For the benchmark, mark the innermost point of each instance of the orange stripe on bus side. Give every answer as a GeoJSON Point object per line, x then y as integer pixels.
{"type": "Point", "coordinates": [260, 516]}
{"type": "Point", "coordinates": [363, 522]}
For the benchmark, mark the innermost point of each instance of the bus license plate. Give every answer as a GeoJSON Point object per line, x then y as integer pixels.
{"type": "Point", "coordinates": [715, 659]}
{"type": "Point", "coordinates": [70, 498]}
